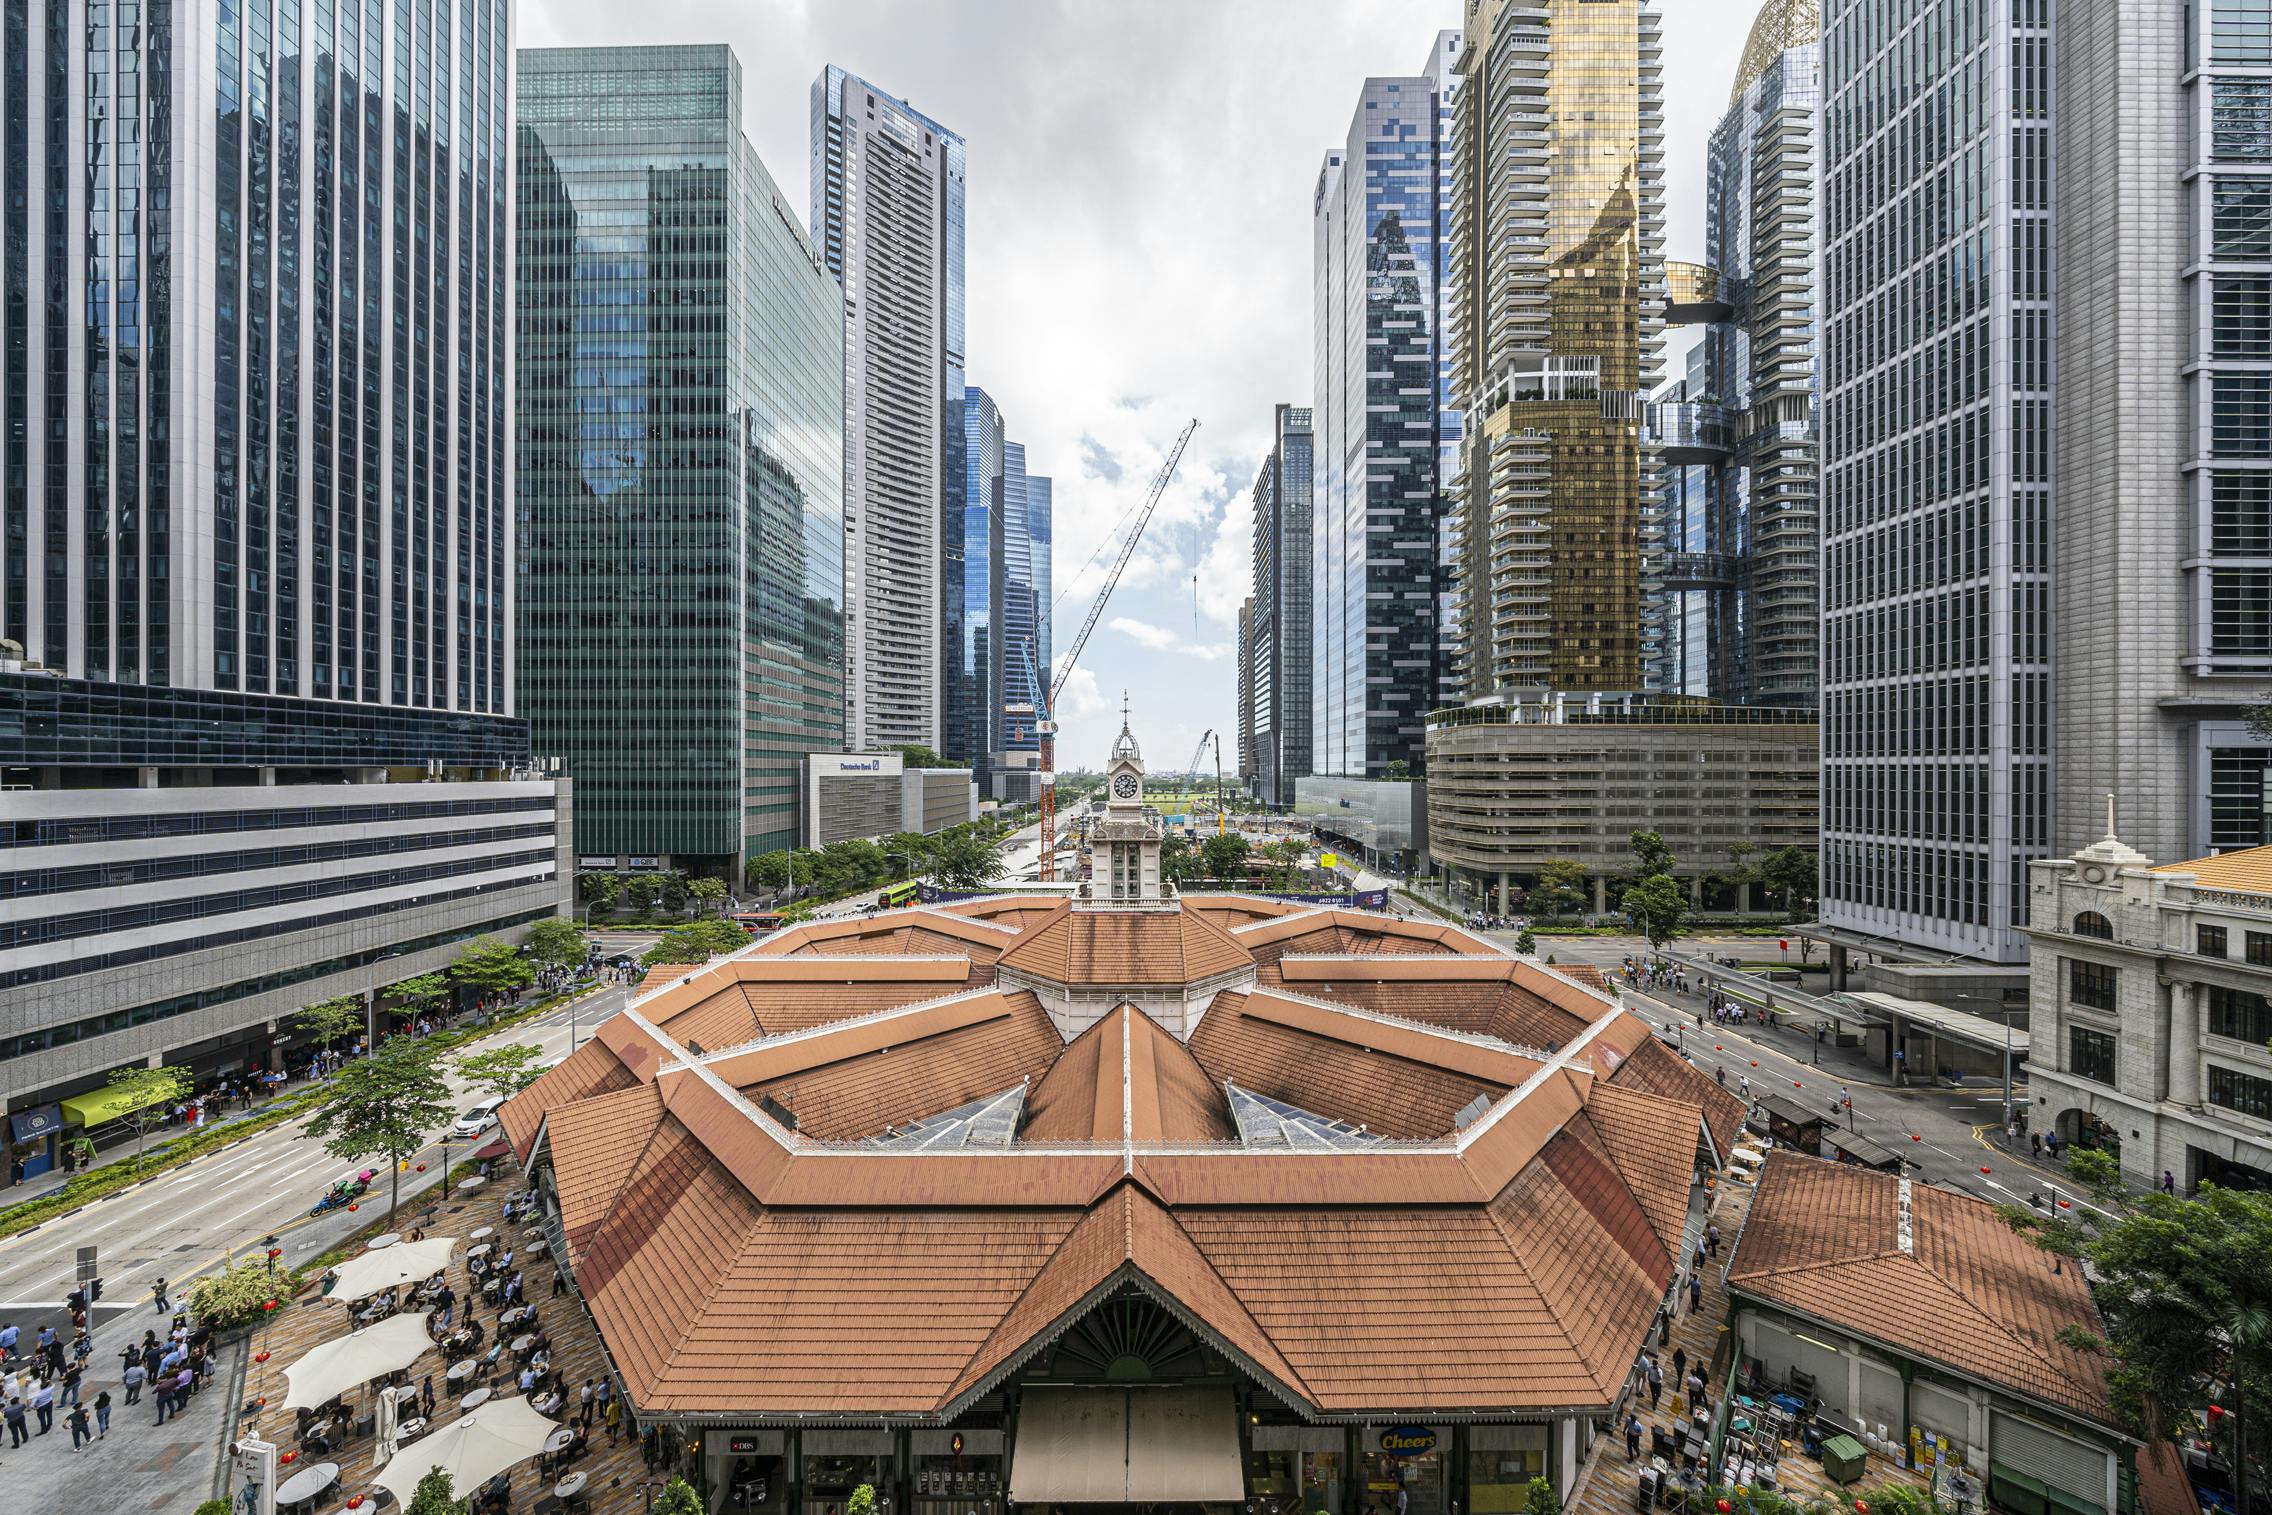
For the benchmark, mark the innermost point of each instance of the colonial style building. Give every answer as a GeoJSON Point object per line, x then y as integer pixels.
{"type": "Point", "coordinates": [2149, 1010]}
{"type": "Point", "coordinates": [1127, 1198]}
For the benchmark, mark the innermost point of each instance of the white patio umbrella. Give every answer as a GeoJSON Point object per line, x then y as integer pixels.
{"type": "Point", "coordinates": [472, 1449]}
{"type": "Point", "coordinates": [390, 1267]}
{"type": "Point", "coordinates": [352, 1361]}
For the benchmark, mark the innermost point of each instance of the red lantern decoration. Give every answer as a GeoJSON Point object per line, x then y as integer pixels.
{"type": "Point", "coordinates": [353, 1206]}
{"type": "Point", "coordinates": [1722, 1506]}
{"type": "Point", "coordinates": [1796, 1084]}
{"type": "Point", "coordinates": [262, 1402]}
{"type": "Point", "coordinates": [421, 1167]}
{"type": "Point", "coordinates": [289, 1458]}
{"type": "Point", "coordinates": [356, 1503]}
{"type": "Point", "coordinates": [1861, 1508]}
{"type": "Point", "coordinates": [275, 1251]}
{"type": "Point", "coordinates": [271, 1305]}
{"type": "Point", "coordinates": [260, 1357]}
{"type": "Point", "coordinates": [2066, 1204]}
{"type": "Point", "coordinates": [1913, 1136]}
{"type": "Point", "coordinates": [1719, 1049]}
{"type": "Point", "coordinates": [1755, 1062]}
{"type": "Point", "coordinates": [2216, 1412]}
{"type": "Point", "coordinates": [1983, 1170]}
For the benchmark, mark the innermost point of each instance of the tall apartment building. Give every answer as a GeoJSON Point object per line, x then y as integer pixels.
{"type": "Point", "coordinates": [1385, 424]}
{"type": "Point", "coordinates": [1280, 644]}
{"type": "Point", "coordinates": [1937, 471]}
{"type": "Point", "coordinates": [680, 469]}
{"type": "Point", "coordinates": [1248, 769]}
{"type": "Point", "coordinates": [887, 218]}
{"type": "Point", "coordinates": [1736, 599]}
{"type": "Point", "coordinates": [1558, 293]}
{"type": "Point", "coordinates": [997, 596]}
{"type": "Point", "coordinates": [2162, 529]}
{"type": "Point", "coordinates": [256, 578]}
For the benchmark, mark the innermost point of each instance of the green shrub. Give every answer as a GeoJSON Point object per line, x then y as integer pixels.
{"type": "Point", "coordinates": [213, 1507]}
{"type": "Point", "coordinates": [678, 1498]}
{"type": "Point", "coordinates": [239, 1295]}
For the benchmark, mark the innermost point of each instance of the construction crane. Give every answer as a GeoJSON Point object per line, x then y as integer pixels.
{"type": "Point", "coordinates": [1047, 724]}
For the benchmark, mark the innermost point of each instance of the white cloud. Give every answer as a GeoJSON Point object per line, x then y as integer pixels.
{"type": "Point", "coordinates": [1158, 638]}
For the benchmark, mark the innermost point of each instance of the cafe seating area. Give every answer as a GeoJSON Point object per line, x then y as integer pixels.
{"type": "Point", "coordinates": [331, 1447]}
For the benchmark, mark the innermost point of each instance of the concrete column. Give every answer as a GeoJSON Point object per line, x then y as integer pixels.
{"type": "Point", "coordinates": [146, 778]}
{"type": "Point", "coordinates": [1837, 966]}
{"type": "Point", "coordinates": [1505, 892]}
{"type": "Point", "coordinates": [1696, 893]}
{"type": "Point", "coordinates": [1601, 895]}
{"type": "Point", "coordinates": [2185, 1044]}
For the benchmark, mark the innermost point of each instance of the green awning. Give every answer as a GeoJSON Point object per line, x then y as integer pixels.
{"type": "Point", "coordinates": [98, 1106]}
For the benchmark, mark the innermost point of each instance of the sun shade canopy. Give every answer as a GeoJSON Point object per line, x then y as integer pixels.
{"type": "Point", "coordinates": [352, 1361]}
{"type": "Point", "coordinates": [1127, 1446]}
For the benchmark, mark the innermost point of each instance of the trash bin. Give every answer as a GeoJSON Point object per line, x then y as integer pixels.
{"type": "Point", "coordinates": [1844, 1459]}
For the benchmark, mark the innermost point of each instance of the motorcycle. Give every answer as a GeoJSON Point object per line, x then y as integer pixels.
{"type": "Point", "coordinates": [346, 1191]}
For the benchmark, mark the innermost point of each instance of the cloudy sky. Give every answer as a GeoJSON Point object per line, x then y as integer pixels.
{"type": "Point", "coordinates": [1139, 254]}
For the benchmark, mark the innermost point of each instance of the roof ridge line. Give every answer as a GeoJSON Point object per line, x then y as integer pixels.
{"type": "Point", "coordinates": [1479, 1039]}
{"type": "Point", "coordinates": [1300, 1384]}
{"type": "Point", "coordinates": [827, 1028]}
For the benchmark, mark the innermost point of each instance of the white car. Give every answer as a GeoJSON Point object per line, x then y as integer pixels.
{"type": "Point", "coordinates": [476, 1120]}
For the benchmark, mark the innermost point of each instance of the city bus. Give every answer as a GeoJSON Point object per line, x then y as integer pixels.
{"type": "Point", "coordinates": [896, 895]}
{"type": "Point", "coordinates": [757, 922]}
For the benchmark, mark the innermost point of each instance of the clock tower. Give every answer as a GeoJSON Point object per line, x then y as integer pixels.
{"type": "Point", "coordinates": [1125, 865]}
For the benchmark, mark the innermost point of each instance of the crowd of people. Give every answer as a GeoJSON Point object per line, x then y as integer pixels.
{"type": "Point", "coordinates": [46, 1379]}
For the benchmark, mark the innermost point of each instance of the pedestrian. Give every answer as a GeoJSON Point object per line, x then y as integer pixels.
{"type": "Point", "coordinates": [71, 1380]}
{"type": "Point", "coordinates": [1632, 1438]}
{"type": "Point", "coordinates": [159, 1294]}
{"type": "Point", "coordinates": [1695, 1291]}
{"type": "Point", "coordinates": [1656, 1382]}
{"type": "Point", "coordinates": [43, 1406]}
{"type": "Point", "coordinates": [9, 1336]}
{"type": "Point", "coordinates": [426, 1397]}
{"type": "Point", "coordinates": [2169, 1182]}
{"type": "Point", "coordinates": [1743, 1085]}
{"type": "Point", "coordinates": [135, 1378]}
{"type": "Point", "coordinates": [1712, 1237]}
{"type": "Point", "coordinates": [1722, 1075]}
{"type": "Point", "coordinates": [1679, 1364]}
{"type": "Point", "coordinates": [14, 1414]}
{"type": "Point", "coordinates": [2035, 1143]}
{"type": "Point", "coordinates": [102, 1415]}
{"type": "Point", "coordinates": [559, 1283]}
{"type": "Point", "coordinates": [584, 1405]}
{"type": "Point", "coordinates": [81, 1431]}
{"type": "Point", "coordinates": [613, 1415]}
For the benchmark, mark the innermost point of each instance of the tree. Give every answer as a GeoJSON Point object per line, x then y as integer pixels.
{"type": "Point", "coordinates": [1790, 872]}
{"type": "Point", "coordinates": [147, 1092]}
{"type": "Point", "coordinates": [383, 1106]}
{"type": "Point", "coordinates": [641, 890]}
{"type": "Point", "coordinates": [695, 942]}
{"type": "Point", "coordinates": [862, 1502]}
{"type": "Point", "coordinates": [916, 755]}
{"type": "Point", "coordinates": [2187, 1302]}
{"type": "Point", "coordinates": [1283, 859]}
{"type": "Point", "coordinates": [769, 870]}
{"type": "Point", "coordinates": [1539, 1498]}
{"type": "Point", "coordinates": [1655, 857]}
{"type": "Point", "coordinates": [1398, 769]}
{"type": "Point", "coordinates": [965, 860]}
{"type": "Point", "coordinates": [420, 995]}
{"type": "Point", "coordinates": [1224, 857]}
{"type": "Point", "coordinates": [491, 966]}
{"type": "Point", "coordinates": [604, 890]}
{"type": "Point", "coordinates": [1561, 883]}
{"type": "Point", "coordinates": [907, 852]}
{"type": "Point", "coordinates": [558, 943]}
{"type": "Point", "coordinates": [1527, 943]}
{"type": "Point", "coordinates": [1656, 905]}
{"type": "Point", "coordinates": [432, 1497]}
{"type": "Point", "coordinates": [707, 892]}
{"type": "Point", "coordinates": [503, 1071]}
{"type": "Point", "coordinates": [674, 891]}
{"type": "Point", "coordinates": [330, 1019]}
{"type": "Point", "coordinates": [678, 1498]}
{"type": "Point", "coordinates": [1178, 860]}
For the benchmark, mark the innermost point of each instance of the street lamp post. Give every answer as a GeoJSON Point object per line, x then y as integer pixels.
{"type": "Point", "coordinates": [2008, 1132]}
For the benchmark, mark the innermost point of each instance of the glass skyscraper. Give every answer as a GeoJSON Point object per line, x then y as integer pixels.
{"type": "Point", "coordinates": [1558, 286]}
{"type": "Point", "coordinates": [998, 594]}
{"type": "Point", "coordinates": [680, 399]}
{"type": "Point", "coordinates": [1384, 428]}
{"type": "Point", "coordinates": [887, 217]}
{"type": "Point", "coordinates": [1281, 644]}
{"type": "Point", "coordinates": [1735, 607]}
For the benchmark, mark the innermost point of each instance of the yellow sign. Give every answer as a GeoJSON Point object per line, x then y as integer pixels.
{"type": "Point", "coordinates": [1329, 859]}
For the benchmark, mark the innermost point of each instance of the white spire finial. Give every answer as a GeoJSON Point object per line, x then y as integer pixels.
{"type": "Point", "coordinates": [2110, 815]}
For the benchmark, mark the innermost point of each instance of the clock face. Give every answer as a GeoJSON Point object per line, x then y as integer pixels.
{"type": "Point", "coordinates": [1124, 787]}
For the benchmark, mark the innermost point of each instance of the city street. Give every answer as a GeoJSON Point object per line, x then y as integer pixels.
{"type": "Point", "coordinates": [192, 1218]}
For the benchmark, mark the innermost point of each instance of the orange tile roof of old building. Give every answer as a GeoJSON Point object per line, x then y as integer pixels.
{"type": "Point", "coordinates": [1823, 1240]}
{"type": "Point", "coordinates": [2246, 870]}
{"type": "Point", "coordinates": [1496, 1239]}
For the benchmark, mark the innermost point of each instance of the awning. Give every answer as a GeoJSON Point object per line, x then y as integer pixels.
{"type": "Point", "coordinates": [391, 1267]}
{"type": "Point", "coordinates": [354, 1360]}
{"type": "Point", "coordinates": [93, 1108]}
{"type": "Point", "coordinates": [1127, 1446]}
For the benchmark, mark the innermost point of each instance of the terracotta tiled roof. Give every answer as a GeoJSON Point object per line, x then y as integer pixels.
{"type": "Point", "coordinates": [1131, 947]}
{"type": "Point", "coordinates": [590, 1070]}
{"type": "Point", "coordinates": [1343, 1080]}
{"type": "Point", "coordinates": [1654, 1068]}
{"type": "Point", "coordinates": [1021, 911]}
{"type": "Point", "coordinates": [1510, 1260]}
{"type": "Point", "coordinates": [870, 1088]}
{"type": "Point", "coordinates": [1823, 1240]}
{"type": "Point", "coordinates": [1582, 973]}
{"type": "Point", "coordinates": [2247, 870]}
{"type": "Point", "coordinates": [2163, 1488]}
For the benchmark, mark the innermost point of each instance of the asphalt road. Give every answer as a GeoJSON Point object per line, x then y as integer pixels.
{"type": "Point", "coordinates": [192, 1218]}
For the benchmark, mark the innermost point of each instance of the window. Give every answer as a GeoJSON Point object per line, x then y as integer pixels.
{"type": "Point", "coordinates": [2241, 512]}
{"type": "Point", "coordinates": [2242, 209]}
{"type": "Point", "coordinates": [2241, 414]}
{"type": "Point", "coordinates": [2243, 1093]}
{"type": "Point", "coordinates": [2240, 121]}
{"type": "Point", "coordinates": [2241, 316]}
{"type": "Point", "coordinates": [2257, 948]}
{"type": "Point", "coordinates": [2209, 941]}
{"type": "Point", "coordinates": [2090, 984]}
{"type": "Point", "coordinates": [2091, 923]}
{"type": "Point", "coordinates": [2240, 612]}
{"type": "Point", "coordinates": [2240, 31]}
{"type": "Point", "coordinates": [2090, 1054]}
{"type": "Point", "coordinates": [2236, 1013]}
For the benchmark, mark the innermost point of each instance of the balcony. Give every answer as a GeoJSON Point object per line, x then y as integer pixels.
{"type": "Point", "coordinates": [1692, 431]}
{"type": "Point", "coordinates": [1700, 570]}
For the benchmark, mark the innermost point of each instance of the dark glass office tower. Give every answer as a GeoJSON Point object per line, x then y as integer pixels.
{"type": "Point", "coordinates": [680, 398]}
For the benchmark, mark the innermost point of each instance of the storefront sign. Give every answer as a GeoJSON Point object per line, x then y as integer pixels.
{"type": "Point", "coordinates": [1407, 1441]}
{"type": "Point", "coordinates": [36, 1124]}
{"type": "Point", "coordinates": [741, 1446]}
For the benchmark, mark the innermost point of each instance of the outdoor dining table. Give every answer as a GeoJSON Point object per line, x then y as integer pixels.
{"type": "Point", "coordinates": [517, 1316]}
{"type": "Point", "coordinates": [386, 1240]}
{"type": "Point", "coordinates": [476, 1399]}
{"type": "Point", "coordinates": [571, 1487]}
{"type": "Point", "coordinates": [307, 1484]}
{"type": "Point", "coordinates": [462, 1370]}
{"type": "Point", "coordinates": [468, 1185]}
{"type": "Point", "coordinates": [524, 1343]}
{"type": "Point", "coordinates": [411, 1429]}
{"type": "Point", "coordinates": [550, 1404]}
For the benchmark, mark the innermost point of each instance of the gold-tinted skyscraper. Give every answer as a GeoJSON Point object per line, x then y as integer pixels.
{"type": "Point", "coordinates": [1558, 279]}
